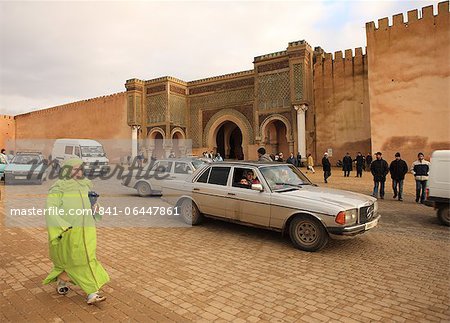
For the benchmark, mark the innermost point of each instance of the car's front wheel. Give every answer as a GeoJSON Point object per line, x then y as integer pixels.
{"type": "Point", "coordinates": [307, 233]}
{"type": "Point", "coordinates": [190, 212]}
{"type": "Point", "coordinates": [444, 215]}
{"type": "Point", "coordinates": [143, 189]}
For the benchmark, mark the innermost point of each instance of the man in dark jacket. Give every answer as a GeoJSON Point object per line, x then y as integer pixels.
{"type": "Point", "coordinates": [347, 166]}
{"type": "Point", "coordinates": [359, 164]}
{"type": "Point", "coordinates": [398, 169]}
{"type": "Point", "coordinates": [379, 169]}
{"type": "Point", "coordinates": [291, 160]}
{"type": "Point", "coordinates": [326, 165]}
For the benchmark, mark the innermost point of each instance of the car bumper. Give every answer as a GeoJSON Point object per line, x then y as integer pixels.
{"type": "Point", "coordinates": [23, 179]}
{"type": "Point", "coordinates": [355, 229]}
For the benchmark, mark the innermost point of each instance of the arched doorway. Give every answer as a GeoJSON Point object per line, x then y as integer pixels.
{"type": "Point", "coordinates": [229, 141]}
{"type": "Point", "coordinates": [156, 143]}
{"type": "Point", "coordinates": [276, 134]}
{"type": "Point", "coordinates": [177, 143]}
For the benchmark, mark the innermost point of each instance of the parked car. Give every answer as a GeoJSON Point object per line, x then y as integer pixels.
{"type": "Point", "coordinates": [281, 198]}
{"type": "Point", "coordinates": [89, 151]}
{"type": "Point", "coordinates": [438, 185]}
{"type": "Point", "coordinates": [26, 168]}
{"type": "Point", "coordinates": [149, 179]}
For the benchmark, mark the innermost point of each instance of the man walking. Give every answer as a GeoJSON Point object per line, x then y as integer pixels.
{"type": "Point", "coordinates": [420, 169]}
{"type": "Point", "coordinates": [310, 162]}
{"type": "Point", "coordinates": [398, 169]}
{"type": "Point", "coordinates": [326, 165]}
{"type": "Point", "coordinates": [379, 169]}
{"type": "Point", "coordinates": [359, 164]}
{"type": "Point", "coordinates": [347, 165]}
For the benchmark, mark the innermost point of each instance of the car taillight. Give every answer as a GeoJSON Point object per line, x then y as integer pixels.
{"type": "Point", "coordinates": [340, 218]}
{"type": "Point", "coordinates": [427, 191]}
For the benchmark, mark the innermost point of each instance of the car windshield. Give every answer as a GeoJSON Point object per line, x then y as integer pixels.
{"type": "Point", "coordinates": [92, 151]}
{"type": "Point", "coordinates": [198, 163]}
{"type": "Point", "coordinates": [284, 177]}
{"type": "Point", "coordinates": [26, 159]}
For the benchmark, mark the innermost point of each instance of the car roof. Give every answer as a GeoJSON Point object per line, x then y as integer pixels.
{"type": "Point", "coordinates": [81, 142]}
{"type": "Point", "coordinates": [248, 163]}
{"type": "Point", "coordinates": [28, 153]}
{"type": "Point", "coordinates": [183, 159]}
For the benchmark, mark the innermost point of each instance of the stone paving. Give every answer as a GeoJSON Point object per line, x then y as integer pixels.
{"type": "Point", "coordinates": [225, 272]}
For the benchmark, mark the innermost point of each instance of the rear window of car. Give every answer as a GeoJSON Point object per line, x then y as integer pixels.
{"type": "Point", "coordinates": [219, 175]}
{"type": "Point", "coordinates": [204, 177]}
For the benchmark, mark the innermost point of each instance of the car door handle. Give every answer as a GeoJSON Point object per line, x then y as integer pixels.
{"type": "Point", "coordinates": [196, 189]}
{"type": "Point", "coordinates": [231, 194]}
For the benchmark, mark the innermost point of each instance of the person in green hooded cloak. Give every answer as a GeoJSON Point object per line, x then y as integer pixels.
{"type": "Point", "coordinates": [72, 234]}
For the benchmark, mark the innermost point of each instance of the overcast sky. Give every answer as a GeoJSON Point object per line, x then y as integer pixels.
{"type": "Point", "coordinates": [53, 53]}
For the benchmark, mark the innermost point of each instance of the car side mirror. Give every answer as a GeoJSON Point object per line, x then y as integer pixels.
{"type": "Point", "coordinates": [257, 187]}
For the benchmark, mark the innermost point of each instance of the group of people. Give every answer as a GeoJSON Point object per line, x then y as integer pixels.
{"type": "Point", "coordinates": [294, 160]}
{"type": "Point", "coordinates": [215, 157]}
{"type": "Point", "coordinates": [379, 168]}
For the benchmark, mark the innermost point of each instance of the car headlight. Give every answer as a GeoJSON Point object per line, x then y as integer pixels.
{"type": "Point", "coordinates": [347, 217]}
{"type": "Point", "coordinates": [375, 207]}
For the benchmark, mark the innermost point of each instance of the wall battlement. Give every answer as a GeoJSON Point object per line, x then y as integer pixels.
{"type": "Point", "coordinates": [221, 77]}
{"type": "Point", "coordinates": [330, 63]}
{"type": "Point", "coordinates": [426, 15]}
{"type": "Point", "coordinates": [70, 105]}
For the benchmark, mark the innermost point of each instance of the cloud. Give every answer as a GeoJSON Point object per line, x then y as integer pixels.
{"type": "Point", "coordinates": [51, 52]}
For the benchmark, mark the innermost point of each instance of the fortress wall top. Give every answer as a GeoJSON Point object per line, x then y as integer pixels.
{"type": "Point", "coordinates": [72, 105]}
{"type": "Point", "coordinates": [426, 16]}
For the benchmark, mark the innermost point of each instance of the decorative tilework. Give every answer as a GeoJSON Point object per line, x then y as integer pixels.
{"type": "Point", "coordinates": [298, 81]}
{"type": "Point", "coordinates": [156, 108]}
{"type": "Point", "coordinates": [273, 91]}
{"type": "Point", "coordinates": [178, 108]}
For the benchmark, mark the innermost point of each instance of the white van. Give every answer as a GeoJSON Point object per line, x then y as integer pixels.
{"type": "Point", "coordinates": [438, 185]}
{"type": "Point", "coordinates": [90, 151]}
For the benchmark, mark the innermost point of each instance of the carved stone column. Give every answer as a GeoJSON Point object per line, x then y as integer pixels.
{"type": "Point", "coordinates": [134, 141]}
{"type": "Point", "coordinates": [301, 129]}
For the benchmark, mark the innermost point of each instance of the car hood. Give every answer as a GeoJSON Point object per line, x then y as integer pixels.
{"type": "Point", "coordinates": [335, 197]}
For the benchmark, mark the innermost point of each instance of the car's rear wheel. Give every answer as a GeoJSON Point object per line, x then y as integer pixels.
{"type": "Point", "coordinates": [444, 215]}
{"type": "Point", "coordinates": [307, 233]}
{"type": "Point", "coordinates": [190, 212]}
{"type": "Point", "coordinates": [143, 189]}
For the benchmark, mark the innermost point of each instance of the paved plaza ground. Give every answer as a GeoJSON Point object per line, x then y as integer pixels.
{"type": "Point", "coordinates": [399, 271]}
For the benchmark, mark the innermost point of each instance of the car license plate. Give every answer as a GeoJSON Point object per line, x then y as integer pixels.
{"type": "Point", "coordinates": [20, 177]}
{"type": "Point", "coordinates": [372, 224]}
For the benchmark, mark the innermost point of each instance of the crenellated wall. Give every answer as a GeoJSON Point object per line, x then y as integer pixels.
{"type": "Point", "coordinates": [7, 131]}
{"type": "Point", "coordinates": [409, 77]}
{"type": "Point", "coordinates": [341, 99]}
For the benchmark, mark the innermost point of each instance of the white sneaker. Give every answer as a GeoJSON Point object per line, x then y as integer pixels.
{"type": "Point", "coordinates": [95, 298]}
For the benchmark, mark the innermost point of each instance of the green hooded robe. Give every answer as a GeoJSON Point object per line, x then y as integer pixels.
{"type": "Point", "coordinates": [73, 249]}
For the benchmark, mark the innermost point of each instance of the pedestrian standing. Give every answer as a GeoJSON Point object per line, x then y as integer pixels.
{"type": "Point", "coordinates": [398, 169]}
{"type": "Point", "coordinates": [359, 164]}
{"type": "Point", "coordinates": [420, 169]}
{"type": "Point", "coordinates": [326, 166]}
{"type": "Point", "coordinates": [262, 156]}
{"type": "Point", "coordinates": [299, 159]}
{"type": "Point", "coordinates": [379, 169]}
{"type": "Point", "coordinates": [347, 167]}
{"type": "Point", "coordinates": [280, 157]}
{"type": "Point", "coordinates": [368, 161]}
{"type": "Point", "coordinates": [291, 159]}
{"type": "Point", "coordinates": [310, 162]}
{"type": "Point", "coordinates": [3, 158]}
{"type": "Point", "coordinates": [218, 158]}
